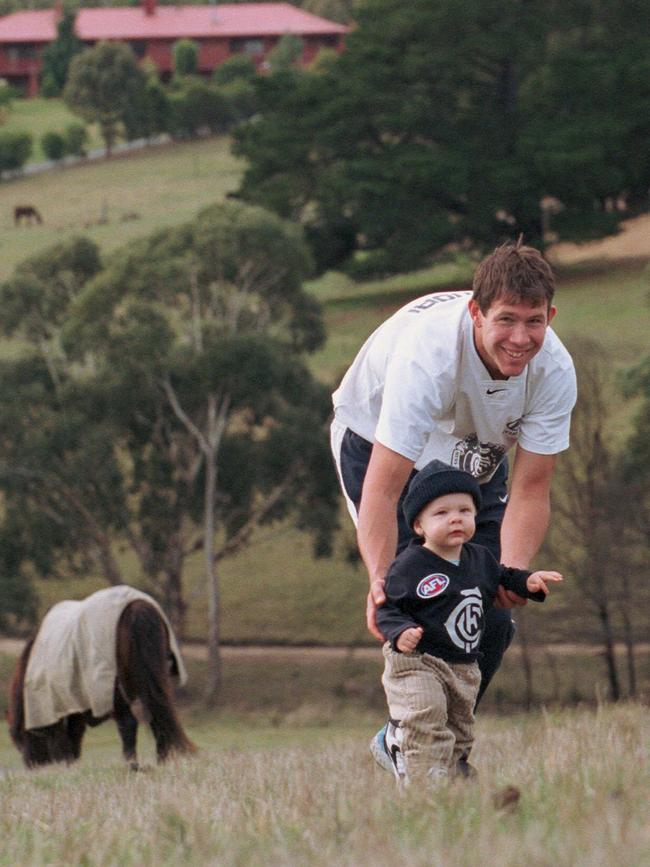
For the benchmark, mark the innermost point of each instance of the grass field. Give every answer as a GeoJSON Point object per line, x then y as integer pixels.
{"type": "Point", "coordinates": [605, 300]}
{"type": "Point", "coordinates": [38, 116]}
{"type": "Point", "coordinates": [113, 201]}
{"type": "Point", "coordinates": [567, 789]}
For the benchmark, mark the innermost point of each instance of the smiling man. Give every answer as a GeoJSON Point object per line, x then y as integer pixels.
{"type": "Point", "coordinates": [463, 378]}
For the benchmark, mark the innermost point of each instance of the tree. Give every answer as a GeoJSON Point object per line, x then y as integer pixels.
{"type": "Point", "coordinates": [286, 53]}
{"type": "Point", "coordinates": [451, 121]}
{"type": "Point", "coordinates": [592, 538]}
{"type": "Point", "coordinates": [103, 83]}
{"type": "Point", "coordinates": [57, 56]}
{"type": "Point", "coordinates": [204, 327]}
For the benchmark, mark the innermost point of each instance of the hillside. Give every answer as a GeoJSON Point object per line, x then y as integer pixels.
{"type": "Point", "coordinates": [123, 198]}
{"type": "Point", "coordinates": [116, 200]}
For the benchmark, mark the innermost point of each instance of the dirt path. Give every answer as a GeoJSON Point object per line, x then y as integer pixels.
{"type": "Point", "coordinates": [13, 646]}
{"type": "Point", "coordinates": [632, 242]}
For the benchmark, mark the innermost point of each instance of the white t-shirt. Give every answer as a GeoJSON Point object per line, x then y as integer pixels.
{"type": "Point", "coordinates": [419, 387]}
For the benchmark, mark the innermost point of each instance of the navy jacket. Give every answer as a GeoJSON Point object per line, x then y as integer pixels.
{"type": "Point", "coordinates": [448, 601]}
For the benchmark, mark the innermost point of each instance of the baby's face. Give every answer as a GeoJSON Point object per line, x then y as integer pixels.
{"type": "Point", "coordinates": [447, 522]}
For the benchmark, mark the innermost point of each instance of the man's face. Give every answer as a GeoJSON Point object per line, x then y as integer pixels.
{"type": "Point", "coordinates": [509, 334]}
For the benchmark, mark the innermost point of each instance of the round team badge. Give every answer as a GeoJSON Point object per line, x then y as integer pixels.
{"type": "Point", "coordinates": [432, 585]}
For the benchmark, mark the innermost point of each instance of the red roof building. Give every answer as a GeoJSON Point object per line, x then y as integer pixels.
{"type": "Point", "coordinates": [220, 30]}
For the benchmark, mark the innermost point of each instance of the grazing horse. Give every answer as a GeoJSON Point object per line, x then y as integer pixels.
{"type": "Point", "coordinates": [28, 213]}
{"type": "Point", "coordinates": [116, 657]}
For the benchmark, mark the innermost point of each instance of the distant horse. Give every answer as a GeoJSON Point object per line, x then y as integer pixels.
{"type": "Point", "coordinates": [28, 213]}
{"type": "Point", "coordinates": [136, 666]}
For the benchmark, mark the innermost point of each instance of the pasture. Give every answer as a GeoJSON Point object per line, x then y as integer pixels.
{"type": "Point", "coordinates": [113, 201]}
{"type": "Point", "coordinates": [566, 789]}
{"type": "Point", "coordinates": [38, 116]}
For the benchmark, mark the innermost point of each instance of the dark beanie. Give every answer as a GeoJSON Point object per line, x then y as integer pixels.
{"type": "Point", "coordinates": [436, 480]}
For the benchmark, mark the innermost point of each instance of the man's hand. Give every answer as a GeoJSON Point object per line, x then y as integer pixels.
{"type": "Point", "coordinates": [376, 597]}
{"type": "Point", "coordinates": [538, 581]}
{"type": "Point", "coordinates": [387, 474]}
{"type": "Point", "coordinates": [508, 599]}
{"type": "Point", "coordinates": [409, 639]}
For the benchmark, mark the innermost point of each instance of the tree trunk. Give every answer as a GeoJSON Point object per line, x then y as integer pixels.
{"type": "Point", "coordinates": [551, 666]}
{"type": "Point", "coordinates": [609, 653]}
{"type": "Point", "coordinates": [107, 563]}
{"type": "Point", "coordinates": [175, 605]}
{"type": "Point", "coordinates": [212, 584]}
{"type": "Point", "coordinates": [526, 662]}
{"type": "Point", "coordinates": [628, 638]}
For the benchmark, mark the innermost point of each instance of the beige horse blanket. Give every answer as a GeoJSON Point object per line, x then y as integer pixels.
{"type": "Point", "coordinates": [72, 666]}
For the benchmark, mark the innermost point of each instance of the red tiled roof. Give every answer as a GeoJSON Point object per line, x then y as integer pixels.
{"type": "Point", "coordinates": [171, 22]}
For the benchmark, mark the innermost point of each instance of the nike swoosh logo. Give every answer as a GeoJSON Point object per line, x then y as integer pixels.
{"type": "Point", "coordinates": [495, 390]}
{"type": "Point", "coordinates": [503, 499]}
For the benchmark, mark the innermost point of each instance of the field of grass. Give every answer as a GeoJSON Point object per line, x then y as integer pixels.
{"type": "Point", "coordinates": [38, 116]}
{"type": "Point", "coordinates": [567, 789]}
{"type": "Point", "coordinates": [167, 185]}
{"type": "Point", "coordinates": [304, 605]}
{"type": "Point", "coordinates": [113, 201]}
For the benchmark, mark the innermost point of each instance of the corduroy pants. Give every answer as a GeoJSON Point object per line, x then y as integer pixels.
{"type": "Point", "coordinates": [434, 703]}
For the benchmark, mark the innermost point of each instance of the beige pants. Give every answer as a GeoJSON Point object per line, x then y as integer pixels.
{"type": "Point", "coordinates": [434, 702]}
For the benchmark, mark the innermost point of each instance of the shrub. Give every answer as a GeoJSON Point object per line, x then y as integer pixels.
{"type": "Point", "coordinates": [53, 144]}
{"type": "Point", "coordinates": [76, 136]}
{"type": "Point", "coordinates": [15, 150]}
{"type": "Point", "coordinates": [239, 67]}
{"type": "Point", "coordinates": [186, 57]}
{"type": "Point", "coordinates": [196, 107]}
{"type": "Point", "coordinates": [241, 99]}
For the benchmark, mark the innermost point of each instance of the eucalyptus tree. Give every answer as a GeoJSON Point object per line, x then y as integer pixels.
{"type": "Point", "coordinates": [203, 328]}
{"type": "Point", "coordinates": [103, 83]}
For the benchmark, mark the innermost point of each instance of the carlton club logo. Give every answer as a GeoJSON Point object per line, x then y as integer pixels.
{"type": "Point", "coordinates": [465, 621]}
{"type": "Point", "coordinates": [432, 585]}
{"type": "Point", "coordinates": [479, 459]}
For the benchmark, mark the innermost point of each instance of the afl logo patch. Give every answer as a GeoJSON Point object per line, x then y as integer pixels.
{"type": "Point", "coordinates": [432, 585]}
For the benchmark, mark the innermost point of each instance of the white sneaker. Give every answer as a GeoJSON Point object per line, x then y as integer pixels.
{"type": "Point", "coordinates": [386, 750]}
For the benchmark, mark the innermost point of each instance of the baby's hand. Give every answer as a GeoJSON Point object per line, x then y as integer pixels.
{"type": "Point", "coordinates": [537, 581]}
{"type": "Point", "coordinates": [409, 639]}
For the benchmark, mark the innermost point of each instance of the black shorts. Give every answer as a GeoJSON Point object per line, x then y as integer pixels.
{"type": "Point", "coordinates": [355, 455]}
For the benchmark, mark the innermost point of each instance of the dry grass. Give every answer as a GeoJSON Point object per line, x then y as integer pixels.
{"type": "Point", "coordinates": [310, 797]}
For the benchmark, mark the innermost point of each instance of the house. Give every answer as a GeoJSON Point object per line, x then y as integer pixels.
{"type": "Point", "coordinates": [220, 31]}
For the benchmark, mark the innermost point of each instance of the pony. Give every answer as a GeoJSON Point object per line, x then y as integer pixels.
{"type": "Point", "coordinates": [28, 213]}
{"type": "Point", "coordinates": [142, 692]}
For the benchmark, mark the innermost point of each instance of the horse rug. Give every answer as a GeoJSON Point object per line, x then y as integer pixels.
{"type": "Point", "coordinates": [73, 663]}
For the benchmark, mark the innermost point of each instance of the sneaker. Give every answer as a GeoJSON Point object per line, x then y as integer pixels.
{"type": "Point", "coordinates": [464, 770]}
{"type": "Point", "coordinates": [386, 750]}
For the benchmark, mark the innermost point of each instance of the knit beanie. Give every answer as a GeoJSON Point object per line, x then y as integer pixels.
{"type": "Point", "coordinates": [435, 480]}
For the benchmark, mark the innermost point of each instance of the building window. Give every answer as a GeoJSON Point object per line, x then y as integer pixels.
{"type": "Point", "coordinates": [22, 51]}
{"type": "Point", "coordinates": [251, 47]}
{"type": "Point", "coordinates": [139, 47]}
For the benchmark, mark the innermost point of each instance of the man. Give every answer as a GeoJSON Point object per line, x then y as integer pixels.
{"type": "Point", "coordinates": [461, 379]}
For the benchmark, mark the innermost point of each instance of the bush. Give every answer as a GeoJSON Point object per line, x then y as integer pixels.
{"type": "Point", "coordinates": [196, 107]}
{"type": "Point", "coordinates": [49, 87]}
{"type": "Point", "coordinates": [76, 136]}
{"type": "Point", "coordinates": [239, 67]}
{"type": "Point", "coordinates": [53, 144]}
{"type": "Point", "coordinates": [241, 98]}
{"type": "Point", "coordinates": [7, 93]}
{"type": "Point", "coordinates": [186, 57]}
{"type": "Point", "coordinates": [15, 150]}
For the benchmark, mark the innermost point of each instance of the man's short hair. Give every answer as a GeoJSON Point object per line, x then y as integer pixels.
{"type": "Point", "coordinates": [515, 272]}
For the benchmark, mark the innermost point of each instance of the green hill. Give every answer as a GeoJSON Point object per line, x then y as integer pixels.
{"type": "Point", "coordinates": [113, 201]}
{"type": "Point", "coordinates": [274, 590]}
